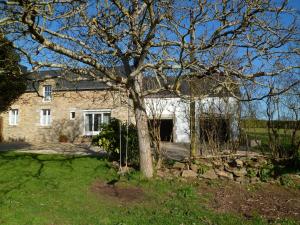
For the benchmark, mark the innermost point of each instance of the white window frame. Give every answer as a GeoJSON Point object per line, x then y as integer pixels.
{"type": "Point", "coordinates": [93, 112]}
{"type": "Point", "coordinates": [72, 118]}
{"type": "Point", "coordinates": [48, 120]}
{"type": "Point", "coordinates": [47, 98]}
{"type": "Point", "coordinates": [13, 117]}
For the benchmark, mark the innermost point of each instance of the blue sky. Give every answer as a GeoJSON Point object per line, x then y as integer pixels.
{"type": "Point", "coordinates": [293, 3]}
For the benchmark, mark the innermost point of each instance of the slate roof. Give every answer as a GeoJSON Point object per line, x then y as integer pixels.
{"type": "Point", "coordinates": [207, 86]}
{"type": "Point", "coordinates": [75, 82]}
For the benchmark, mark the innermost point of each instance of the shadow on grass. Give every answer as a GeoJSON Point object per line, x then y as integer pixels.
{"type": "Point", "coordinates": [4, 147]}
{"type": "Point", "coordinates": [22, 168]}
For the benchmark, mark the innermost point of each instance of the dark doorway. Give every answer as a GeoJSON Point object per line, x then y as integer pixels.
{"type": "Point", "coordinates": [214, 129]}
{"type": "Point", "coordinates": [166, 129]}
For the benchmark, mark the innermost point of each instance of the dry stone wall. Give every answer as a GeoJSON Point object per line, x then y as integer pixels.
{"type": "Point", "coordinates": [241, 169]}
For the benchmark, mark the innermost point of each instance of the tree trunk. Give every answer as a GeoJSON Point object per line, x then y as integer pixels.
{"type": "Point", "coordinates": [192, 102]}
{"type": "Point", "coordinates": [193, 128]}
{"type": "Point", "coordinates": [146, 165]}
{"type": "Point", "coordinates": [141, 119]}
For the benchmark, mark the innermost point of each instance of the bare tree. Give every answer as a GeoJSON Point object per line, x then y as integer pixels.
{"type": "Point", "coordinates": [151, 38]}
{"type": "Point", "coordinates": [156, 107]}
{"type": "Point", "coordinates": [283, 123]}
{"type": "Point", "coordinates": [292, 104]}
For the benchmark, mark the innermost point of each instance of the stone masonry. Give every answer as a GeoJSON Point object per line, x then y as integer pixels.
{"type": "Point", "coordinates": [30, 105]}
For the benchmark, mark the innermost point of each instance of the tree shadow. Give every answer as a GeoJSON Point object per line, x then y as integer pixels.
{"type": "Point", "coordinates": [16, 145]}
{"type": "Point", "coordinates": [37, 163]}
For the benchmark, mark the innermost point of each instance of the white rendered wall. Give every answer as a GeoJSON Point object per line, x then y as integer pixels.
{"type": "Point", "coordinates": [178, 110]}
{"type": "Point", "coordinates": [171, 108]}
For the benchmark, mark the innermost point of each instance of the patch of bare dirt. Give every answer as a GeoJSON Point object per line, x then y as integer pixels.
{"type": "Point", "coordinates": [267, 200]}
{"type": "Point", "coordinates": [124, 194]}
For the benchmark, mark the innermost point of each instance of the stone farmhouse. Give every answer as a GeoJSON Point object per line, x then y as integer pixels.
{"type": "Point", "coordinates": [54, 109]}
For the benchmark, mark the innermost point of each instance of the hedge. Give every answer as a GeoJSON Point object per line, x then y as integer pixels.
{"type": "Point", "coordinates": [279, 124]}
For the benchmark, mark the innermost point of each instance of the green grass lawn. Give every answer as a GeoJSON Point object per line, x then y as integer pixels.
{"type": "Point", "coordinates": [262, 135]}
{"type": "Point", "coordinates": [53, 189]}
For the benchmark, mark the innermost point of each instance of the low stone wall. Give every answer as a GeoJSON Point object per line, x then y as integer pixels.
{"type": "Point", "coordinates": [242, 169]}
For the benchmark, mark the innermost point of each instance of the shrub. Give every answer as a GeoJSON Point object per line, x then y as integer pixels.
{"type": "Point", "coordinates": [203, 168]}
{"type": "Point", "coordinates": [267, 172]}
{"type": "Point", "coordinates": [286, 180]}
{"type": "Point", "coordinates": [109, 140]}
{"type": "Point", "coordinates": [251, 172]}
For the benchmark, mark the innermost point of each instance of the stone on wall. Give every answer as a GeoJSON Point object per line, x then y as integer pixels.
{"type": "Point", "coordinates": [179, 166]}
{"type": "Point", "coordinates": [228, 168]}
{"type": "Point", "coordinates": [217, 164]}
{"type": "Point", "coordinates": [224, 175]}
{"type": "Point", "coordinates": [210, 174]}
{"type": "Point", "coordinates": [175, 172]}
{"type": "Point", "coordinates": [239, 172]}
{"type": "Point", "coordinates": [239, 163]}
{"type": "Point", "coordinates": [189, 174]}
{"type": "Point", "coordinates": [238, 168]}
{"type": "Point", "coordinates": [203, 163]}
{"type": "Point", "coordinates": [194, 167]}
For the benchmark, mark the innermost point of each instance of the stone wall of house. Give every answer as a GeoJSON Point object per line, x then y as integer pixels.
{"type": "Point", "coordinates": [30, 105]}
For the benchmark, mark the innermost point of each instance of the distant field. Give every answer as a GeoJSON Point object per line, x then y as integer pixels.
{"type": "Point", "coordinates": [261, 134]}
{"type": "Point", "coordinates": [265, 131]}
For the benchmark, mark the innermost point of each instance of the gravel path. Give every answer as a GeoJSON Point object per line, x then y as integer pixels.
{"type": "Point", "coordinates": [51, 148]}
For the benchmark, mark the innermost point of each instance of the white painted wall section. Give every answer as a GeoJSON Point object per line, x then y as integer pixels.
{"type": "Point", "coordinates": [171, 108]}
{"type": "Point", "coordinates": [178, 110]}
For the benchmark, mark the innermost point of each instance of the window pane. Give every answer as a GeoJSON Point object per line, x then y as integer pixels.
{"type": "Point", "coordinates": [13, 116]}
{"type": "Point", "coordinates": [93, 121]}
{"type": "Point", "coordinates": [16, 116]}
{"type": "Point", "coordinates": [49, 117]}
{"type": "Point", "coordinates": [97, 122]}
{"type": "Point", "coordinates": [46, 117]}
{"type": "Point", "coordinates": [106, 118]}
{"type": "Point", "coordinates": [88, 122]}
{"type": "Point", "coordinates": [47, 120]}
{"type": "Point", "coordinates": [47, 92]}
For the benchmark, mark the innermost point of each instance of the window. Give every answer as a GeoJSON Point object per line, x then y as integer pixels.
{"type": "Point", "coordinates": [13, 117]}
{"type": "Point", "coordinates": [72, 115]}
{"type": "Point", "coordinates": [47, 93]}
{"type": "Point", "coordinates": [45, 117]}
{"type": "Point", "coordinates": [93, 121]}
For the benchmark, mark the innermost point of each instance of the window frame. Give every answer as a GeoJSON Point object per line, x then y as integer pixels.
{"type": "Point", "coordinates": [48, 118]}
{"type": "Point", "coordinates": [71, 115]}
{"type": "Point", "coordinates": [47, 98]}
{"type": "Point", "coordinates": [13, 118]}
{"type": "Point", "coordinates": [93, 112]}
